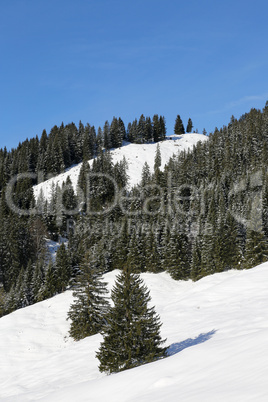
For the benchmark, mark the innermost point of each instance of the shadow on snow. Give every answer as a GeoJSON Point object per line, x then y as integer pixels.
{"type": "Point", "coordinates": [179, 346]}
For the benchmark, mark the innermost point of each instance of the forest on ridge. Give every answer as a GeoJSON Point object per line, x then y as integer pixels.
{"type": "Point", "coordinates": [205, 212]}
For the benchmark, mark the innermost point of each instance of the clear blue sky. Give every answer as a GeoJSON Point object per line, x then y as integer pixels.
{"type": "Point", "coordinates": [90, 60]}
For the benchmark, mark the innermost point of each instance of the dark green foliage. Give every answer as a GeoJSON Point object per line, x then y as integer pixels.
{"type": "Point", "coordinates": [256, 249]}
{"type": "Point", "coordinates": [177, 254]}
{"type": "Point", "coordinates": [145, 175]}
{"type": "Point", "coordinates": [189, 127]}
{"type": "Point", "coordinates": [157, 159]}
{"type": "Point", "coordinates": [63, 268]}
{"type": "Point", "coordinates": [90, 307]}
{"type": "Point", "coordinates": [132, 333]}
{"type": "Point", "coordinates": [216, 196]}
{"type": "Point", "coordinates": [49, 286]}
{"type": "Point", "coordinates": [179, 127]}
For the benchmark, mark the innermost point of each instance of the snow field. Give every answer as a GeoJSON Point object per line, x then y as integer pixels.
{"type": "Point", "coordinates": [136, 155]}
{"type": "Point", "coordinates": [217, 329]}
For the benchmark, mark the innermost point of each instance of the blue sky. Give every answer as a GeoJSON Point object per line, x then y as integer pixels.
{"type": "Point", "coordinates": [71, 60]}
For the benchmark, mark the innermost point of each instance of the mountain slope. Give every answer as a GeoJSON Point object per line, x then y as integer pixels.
{"type": "Point", "coordinates": [217, 328]}
{"type": "Point", "coordinates": [135, 154]}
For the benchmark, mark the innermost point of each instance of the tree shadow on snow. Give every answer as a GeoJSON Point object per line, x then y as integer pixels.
{"type": "Point", "coordinates": [179, 346]}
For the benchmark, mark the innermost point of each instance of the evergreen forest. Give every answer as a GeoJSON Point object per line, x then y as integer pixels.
{"type": "Point", "coordinates": [205, 212]}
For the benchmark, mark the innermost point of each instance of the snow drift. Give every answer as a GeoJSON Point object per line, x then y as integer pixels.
{"type": "Point", "coordinates": [216, 329]}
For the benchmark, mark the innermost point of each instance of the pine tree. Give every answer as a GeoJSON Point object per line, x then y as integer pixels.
{"type": "Point", "coordinates": [256, 248]}
{"type": "Point", "coordinates": [156, 128]}
{"type": "Point", "coordinates": [115, 134]}
{"type": "Point", "coordinates": [90, 307]}
{"type": "Point", "coordinates": [177, 255]}
{"type": "Point", "coordinates": [107, 142]}
{"type": "Point", "coordinates": [132, 333]}
{"type": "Point", "coordinates": [157, 159]}
{"type": "Point", "coordinates": [122, 130]}
{"type": "Point", "coordinates": [49, 287]}
{"type": "Point", "coordinates": [162, 127]}
{"type": "Point", "coordinates": [152, 256]}
{"type": "Point", "coordinates": [179, 127]}
{"type": "Point", "coordinates": [63, 268]}
{"type": "Point", "coordinates": [189, 127]}
{"type": "Point", "coordinates": [136, 251]}
{"type": "Point", "coordinates": [141, 129]}
{"type": "Point", "coordinates": [99, 141]}
{"type": "Point", "coordinates": [148, 130]}
{"type": "Point", "coordinates": [145, 174]}
{"type": "Point", "coordinates": [196, 260]}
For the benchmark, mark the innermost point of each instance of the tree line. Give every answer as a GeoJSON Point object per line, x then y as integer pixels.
{"type": "Point", "coordinates": [205, 212]}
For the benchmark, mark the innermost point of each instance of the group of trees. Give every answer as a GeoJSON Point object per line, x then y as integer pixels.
{"type": "Point", "coordinates": [130, 328]}
{"type": "Point", "coordinates": [206, 211]}
{"type": "Point", "coordinates": [66, 145]}
{"type": "Point", "coordinates": [179, 127]}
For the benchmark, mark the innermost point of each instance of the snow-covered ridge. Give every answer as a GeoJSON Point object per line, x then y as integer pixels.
{"type": "Point", "coordinates": [217, 328]}
{"type": "Point", "coordinates": [135, 154]}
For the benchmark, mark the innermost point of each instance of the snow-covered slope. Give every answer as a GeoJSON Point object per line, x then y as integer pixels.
{"type": "Point", "coordinates": [135, 154]}
{"type": "Point", "coordinates": [217, 329]}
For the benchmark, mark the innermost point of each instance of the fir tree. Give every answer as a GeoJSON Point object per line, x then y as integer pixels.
{"type": "Point", "coordinates": [156, 128]}
{"type": "Point", "coordinates": [157, 159]}
{"type": "Point", "coordinates": [49, 287]}
{"type": "Point", "coordinates": [196, 260]}
{"type": "Point", "coordinates": [179, 127]}
{"type": "Point", "coordinates": [145, 175]}
{"type": "Point", "coordinates": [256, 248]}
{"type": "Point", "coordinates": [63, 268]}
{"type": "Point", "coordinates": [177, 255]}
{"type": "Point", "coordinates": [189, 127]}
{"type": "Point", "coordinates": [162, 127]}
{"type": "Point", "coordinates": [132, 333]}
{"type": "Point", "coordinates": [90, 307]}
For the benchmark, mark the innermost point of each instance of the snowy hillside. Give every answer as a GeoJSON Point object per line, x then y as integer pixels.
{"type": "Point", "coordinates": [135, 154]}
{"type": "Point", "coordinates": [217, 328]}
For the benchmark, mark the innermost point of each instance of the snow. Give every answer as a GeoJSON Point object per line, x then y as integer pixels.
{"type": "Point", "coordinates": [135, 154]}
{"type": "Point", "coordinates": [52, 247]}
{"type": "Point", "coordinates": [217, 329]}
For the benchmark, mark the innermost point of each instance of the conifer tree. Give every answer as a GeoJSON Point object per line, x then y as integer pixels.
{"type": "Point", "coordinates": [189, 127]}
{"type": "Point", "coordinates": [38, 280]}
{"type": "Point", "coordinates": [107, 143]}
{"type": "Point", "coordinates": [148, 129]}
{"type": "Point", "coordinates": [90, 307]}
{"type": "Point", "coordinates": [132, 333]}
{"type": "Point", "coordinates": [49, 287]}
{"type": "Point", "coordinates": [152, 257]}
{"type": "Point", "coordinates": [162, 127]}
{"type": "Point", "coordinates": [196, 260]}
{"type": "Point", "coordinates": [141, 128]}
{"type": "Point", "coordinates": [63, 268]}
{"type": "Point", "coordinates": [115, 134]}
{"type": "Point", "coordinates": [99, 141]}
{"type": "Point", "coordinates": [122, 130]}
{"type": "Point", "coordinates": [156, 128]}
{"type": "Point", "coordinates": [179, 127]}
{"type": "Point", "coordinates": [256, 248]}
{"type": "Point", "coordinates": [145, 174]}
{"type": "Point", "coordinates": [177, 255]}
{"type": "Point", "coordinates": [136, 251]}
{"type": "Point", "coordinates": [157, 159]}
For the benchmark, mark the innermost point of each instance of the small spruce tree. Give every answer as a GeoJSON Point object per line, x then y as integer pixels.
{"type": "Point", "coordinates": [189, 127]}
{"type": "Point", "coordinates": [132, 333]}
{"type": "Point", "coordinates": [87, 313]}
{"type": "Point", "coordinates": [179, 127]}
